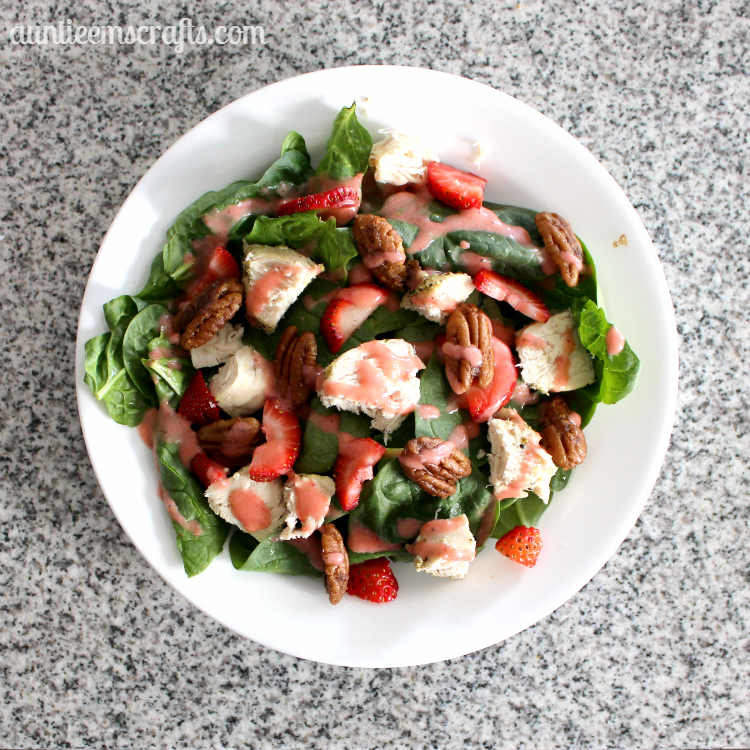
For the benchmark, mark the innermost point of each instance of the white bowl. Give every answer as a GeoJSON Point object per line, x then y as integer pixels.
{"type": "Point", "coordinates": [530, 162]}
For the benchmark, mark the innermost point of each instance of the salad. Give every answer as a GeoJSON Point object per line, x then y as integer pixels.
{"type": "Point", "coordinates": [361, 363]}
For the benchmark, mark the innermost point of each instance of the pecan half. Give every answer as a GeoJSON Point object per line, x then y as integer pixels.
{"type": "Point", "coordinates": [335, 562]}
{"type": "Point", "coordinates": [468, 348]}
{"type": "Point", "coordinates": [562, 438]}
{"type": "Point", "coordinates": [209, 312]}
{"type": "Point", "coordinates": [231, 442]}
{"type": "Point", "coordinates": [436, 469]}
{"type": "Point", "coordinates": [562, 245]}
{"type": "Point", "coordinates": [293, 354]}
{"type": "Point", "coordinates": [376, 239]}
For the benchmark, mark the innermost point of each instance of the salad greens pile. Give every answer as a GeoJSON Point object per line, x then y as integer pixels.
{"type": "Point", "coordinates": [126, 371]}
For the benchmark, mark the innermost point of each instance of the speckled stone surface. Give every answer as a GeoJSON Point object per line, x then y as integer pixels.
{"type": "Point", "coordinates": [97, 652]}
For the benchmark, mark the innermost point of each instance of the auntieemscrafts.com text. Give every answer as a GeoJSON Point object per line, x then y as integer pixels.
{"type": "Point", "coordinates": [178, 35]}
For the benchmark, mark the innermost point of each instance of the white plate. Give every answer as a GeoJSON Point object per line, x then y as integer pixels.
{"type": "Point", "coordinates": [530, 162]}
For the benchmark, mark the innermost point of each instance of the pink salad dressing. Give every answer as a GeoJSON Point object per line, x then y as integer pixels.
{"type": "Point", "coordinates": [464, 245]}
{"type": "Point", "coordinates": [311, 303]}
{"type": "Point", "coordinates": [526, 338]}
{"type": "Point", "coordinates": [329, 423]}
{"type": "Point", "coordinates": [461, 434]}
{"type": "Point", "coordinates": [174, 513]}
{"type": "Point", "coordinates": [427, 411]}
{"type": "Point", "coordinates": [249, 509]}
{"type": "Point", "coordinates": [424, 349]}
{"type": "Point", "coordinates": [311, 548]}
{"type": "Point", "coordinates": [173, 428]}
{"type": "Point", "coordinates": [412, 207]}
{"type": "Point", "coordinates": [373, 260]}
{"type": "Point", "coordinates": [615, 342]}
{"type": "Point", "coordinates": [506, 334]}
{"type": "Point", "coordinates": [220, 222]}
{"type": "Point", "coordinates": [426, 547]}
{"type": "Point", "coordinates": [523, 395]}
{"type": "Point", "coordinates": [471, 354]}
{"type": "Point", "coordinates": [379, 367]}
{"type": "Point", "coordinates": [360, 274]}
{"type": "Point", "coordinates": [310, 502]}
{"type": "Point", "coordinates": [572, 260]}
{"type": "Point", "coordinates": [238, 440]}
{"type": "Point", "coordinates": [427, 456]}
{"type": "Point", "coordinates": [147, 425]}
{"type": "Point", "coordinates": [278, 277]}
{"type": "Point", "coordinates": [473, 262]}
{"type": "Point", "coordinates": [165, 323]}
{"type": "Point", "coordinates": [562, 362]}
{"type": "Point", "coordinates": [408, 528]}
{"type": "Point", "coordinates": [575, 418]}
{"type": "Point", "coordinates": [364, 539]}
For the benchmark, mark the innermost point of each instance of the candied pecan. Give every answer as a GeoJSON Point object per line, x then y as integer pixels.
{"type": "Point", "coordinates": [293, 354]}
{"type": "Point", "coordinates": [335, 562]}
{"type": "Point", "coordinates": [562, 245]}
{"type": "Point", "coordinates": [438, 478]}
{"type": "Point", "coordinates": [209, 312]}
{"type": "Point", "coordinates": [375, 238]}
{"type": "Point", "coordinates": [562, 438]}
{"type": "Point", "coordinates": [231, 442]}
{"type": "Point", "coordinates": [471, 330]}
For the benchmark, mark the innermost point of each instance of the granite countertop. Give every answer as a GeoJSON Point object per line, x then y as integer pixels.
{"type": "Point", "coordinates": [97, 652]}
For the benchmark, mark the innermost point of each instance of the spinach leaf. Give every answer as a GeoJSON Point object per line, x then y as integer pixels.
{"type": "Point", "coordinates": [435, 390]}
{"type": "Point", "coordinates": [170, 375]}
{"type": "Point", "coordinates": [268, 557]}
{"type": "Point", "coordinates": [292, 168]}
{"type": "Point", "coordinates": [105, 366]}
{"type": "Point", "coordinates": [95, 361]}
{"type": "Point", "coordinates": [616, 375]}
{"type": "Point", "coordinates": [332, 247]}
{"type": "Point", "coordinates": [197, 550]}
{"type": "Point", "coordinates": [390, 496]}
{"type": "Point", "coordinates": [399, 556]}
{"type": "Point", "coordinates": [518, 217]}
{"type": "Point", "coordinates": [143, 328]}
{"type": "Point", "coordinates": [319, 448]}
{"type": "Point", "coordinates": [523, 512]}
{"type": "Point", "coordinates": [408, 232]}
{"type": "Point", "coordinates": [419, 332]}
{"type": "Point", "coordinates": [160, 285]}
{"type": "Point", "coordinates": [508, 257]}
{"type": "Point", "coordinates": [560, 480]}
{"type": "Point", "coordinates": [294, 142]}
{"type": "Point", "coordinates": [348, 147]}
{"type": "Point", "coordinates": [561, 296]}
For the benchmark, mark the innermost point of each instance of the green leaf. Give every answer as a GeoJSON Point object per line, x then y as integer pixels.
{"type": "Point", "coordinates": [508, 257]}
{"type": "Point", "coordinates": [326, 244]}
{"type": "Point", "coordinates": [434, 390]}
{"type": "Point", "coordinates": [348, 147]}
{"type": "Point", "coordinates": [518, 217]}
{"type": "Point", "coordinates": [170, 375]}
{"type": "Point", "coordinates": [269, 557]}
{"type": "Point", "coordinates": [616, 375]}
{"type": "Point", "coordinates": [390, 496]}
{"type": "Point", "coordinates": [562, 297]}
{"type": "Point", "coordinates": [523, 512]}
{"type": "Point", "coordinates": [319, 448]}
{"type": "Point", "coordinates": [197, 550]}
{"type": "Point", "coordinates": [95, 361]}
{"type": "Point", "coordinates": [291, 169]}
{"type": "Point", "coordinates": [408, 232]}
{"type": "Point", "coordinates": [142, 329]}
{"type": "Point", "coordinates": [294, 142]}
{"type": "Point", "coordinates": [160, 285]}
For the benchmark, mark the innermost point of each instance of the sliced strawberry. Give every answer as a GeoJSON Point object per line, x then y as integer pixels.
{"type": "Point", "coordinates": [206, 470]}
{"type": "Point", "coordinates": [219, 265]}
{"type": "Point", "coordinates": [341, 197]}
{"type": "Point", "coordinates": [373, 581]}
{"type": "Point", "coordinates": [277, 455]}
{"type": "Point", "coordinates": [348, 310]}
{"type": "Point", "coordinates": [197, 405]}
{"type": "Point", "coordinates": [455, 188]}
{"type": "Point", "coordinates": [522, 545]}
{"type": "Point", "coordinates": [484, 402]}
{"type": "Point", "coordinates": [353, 467]}
{"type": "Point", "coordinates": [514, 293]}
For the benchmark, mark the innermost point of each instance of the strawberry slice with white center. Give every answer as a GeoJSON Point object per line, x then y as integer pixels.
{"type": "Point", "coordinates": [348, 310]}
{"type": "Point", "coordinates": [277, 455]}
{"type": "Point", "coordinates": [484, 402]}
{"type": "Point", "coordinates": [353, 467]}
{"type": "Point", "coordinates": [453, 187]}
{"type": "Point", "coordinates": [513, 292]}
{"type": "Point", "coordinates": [219, 265]}
{"type": "Point", "coordinates": [341, 197]}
